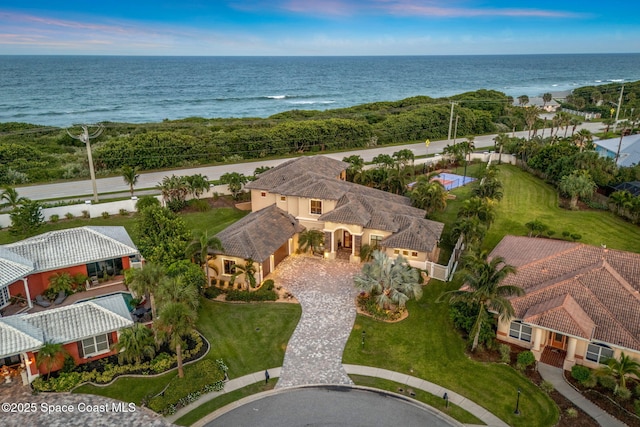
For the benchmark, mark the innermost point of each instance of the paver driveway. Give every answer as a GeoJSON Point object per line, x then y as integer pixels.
{"type": "Point", "coordinates": [327, 296]}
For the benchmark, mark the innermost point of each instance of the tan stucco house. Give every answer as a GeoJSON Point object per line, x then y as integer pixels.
{"type": "Point", "coordinates": [582, 303]}
{"type": "Point", "coordinates": [311, 193]}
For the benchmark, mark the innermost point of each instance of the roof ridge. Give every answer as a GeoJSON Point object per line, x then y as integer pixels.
{"type": "Point", "coordinates": [558, 280]}
{"type": "Point", "coordinates": [620, 279]}
{"type": "Point", "coordinates": [13, 328]}
{"type": "Point", "coordinates": [92, 229]}
{"type": "Point", "coordinates": [555, 255]}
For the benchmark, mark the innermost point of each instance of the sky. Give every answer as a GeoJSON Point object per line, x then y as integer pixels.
{"type": "Point", "coordinates": [317, 27]}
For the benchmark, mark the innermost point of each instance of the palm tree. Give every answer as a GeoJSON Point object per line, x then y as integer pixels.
{"type": "Point", "coordinates": [499, 141]}
{"type": "Point", "coordinates": [483, 288]}
{"type": "Point", "coordinates": [130, 176]}
{"type": "Point", "coordinates": [175, 289]}
{"type": "Point", "coordinates": [11, 198]}
{"type": "Point", "coordinates": [200, 248]}
{"type": "Point", "coordinates": [145, 281]}
{"type": "Point", "coordinates": [523, 100]}
{"type": "Point", "coordinates": [176, 319]}
{"type": "Point", "coordinates": [483, 209]}
{"type": "Point", "coordinates": [396, 181]}
{"type": "Point", "coordinates": [356, 165]}
{"type": "Point", "coordinates": [174, 190]}
{"type": "Point", "coordinates": [466, 148]}
{"type": "Point", "coordinates": [583, 139]}
{"type": "Point", "coordinates": [51, 355]}
{"type": "Point", "coordinates": [235, 182]}
{"type": "Point", "coordinates": [531, 116]}
{"type": "Point", "coordinates": [249, 271]}
{"type": "Point", "coordinates": [391, 282]}
{"type": "Point", "coordinates": [621, 367]}
{"type": "Point", "coordinates": [577, 184]}
{"type": "Point", "coordinates": [546, 98]}
{"type": "Point", "coordinates": [197, 184]}
{"type": "Point", "coordinates": [310, 240]}
{"type": "Point", "coordinates": [134, 344]}
{"type": "Point", "coordinates": [471, 229]}
{"type": "Point", "coordinates": [622, 200]}
{"type": "Point", "coordinates": [431, 196]}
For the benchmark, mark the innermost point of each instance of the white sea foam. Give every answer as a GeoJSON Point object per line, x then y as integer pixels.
{"type": "Point", "coordinates": [310, 102]}
{"type": "Point", "coordinates": [615, 80]}
{"type": "Point", "coordinates": [277, 96]}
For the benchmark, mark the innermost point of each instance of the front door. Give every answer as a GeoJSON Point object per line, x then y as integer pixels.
{"type": "Point", "coordinates": [558, 340]}
{"type": "Point", "coordinates": [347, 239]}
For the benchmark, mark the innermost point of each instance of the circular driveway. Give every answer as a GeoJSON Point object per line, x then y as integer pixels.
{"type": "Point", "coordinates": [332, 406]}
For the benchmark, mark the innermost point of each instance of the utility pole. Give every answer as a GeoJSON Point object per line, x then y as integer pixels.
{"type": "Point", "coordinates": [450, 120]}
{"type": "Point", "coordinates": [615, 125]}
{"type": "Point", "coordinates": [85, 137]}
{"type": "Point", "coordinates": [455, 133]}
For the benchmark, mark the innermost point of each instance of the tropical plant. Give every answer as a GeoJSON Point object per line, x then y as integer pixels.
{"type": "Point", "coordinates": [523, 100]}
{"type": "Point", "coordinates": [174, 190]}
{"type": "Point", "coordinates": [531, 116]}
{"type": "Point", "coordinates": [546, 98]}
{"type": "Point", "coordinates": [622, 200]}
{"type": "Point", "coordinates": [483, 209]}
{"type": "Point", "coordinates": [366, 252]}
{"type": "Point", "coordinates": [482, 278]}
{"type": "Point", "coordinates": [249, 270]}
{"type": "Point", "coordinates": [499, 142]}
{"type": "Point", "coordinates": [134, 344]}
{"type": "Point", "coordinates": [472, 230]}
{"type": "Point", "coordinates": [390, 282]}
{"type": "Point", "coordinates": [176, 319]}
{"type": "Point", "coordinates": [235, 181]}
{"type": "Point", "coordinates": [51, 355]}
{"type": "Point", "coordinates": [163, 235]}
{"type": "Point", "coordinates": [11, 198]}
{"type": "Point", "coordinates": [466, 148]}
{"type": "Point", "coordinates": [145, 281]}
{"type": "Point", "coordinates": [356, 166]}
{"type": "Point", "coordinates": [536, 227]}
{"type": "Point", "coordinates": [431, 196]}
{"type": "Point", "coordinates": [197, 184]}
{"type": "Point", "coordinates": [130, 176]}
{"type": "Point", "coordinates": [310, 240]}
{"type": "Point", "coordinates": [61, 282]}
{"type": "Point", "coordinates": [26, 218]}
{"type": "Point", "coordinates": [177, 290]}
{"type": "Point", "coordinates": [620, 368]}
{"type": "Point", "coordinates": [202, 250]}
{"type": "Point", "coordinates": [577, 184]}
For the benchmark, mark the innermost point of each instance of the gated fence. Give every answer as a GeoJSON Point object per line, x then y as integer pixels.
{"type": "Point", "coordinates": [445, 272]}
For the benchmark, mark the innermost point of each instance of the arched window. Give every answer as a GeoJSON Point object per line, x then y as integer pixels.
{"type": "Point", "coordinates": [597, 352]}
{"type": "Point", "coordinates": [520, 331]}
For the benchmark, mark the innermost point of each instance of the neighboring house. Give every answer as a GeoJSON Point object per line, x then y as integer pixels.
{"type": "Point", "coordinates": [86, 329]}
{"type": "Point", "coordinates": [582, 303]}
{"type": "Point", "coordinates": [550, 107]}
{"type": "Point", "coordinates": [310, 193]}
{"type": "Point", "coordinates": [633, 187]}
{"type": "Point", "coordinates": [27, 265]}
{"type": "Point", "coordinates": [629, 149]}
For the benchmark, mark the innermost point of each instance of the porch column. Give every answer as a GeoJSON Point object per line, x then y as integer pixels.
{"type": "Point", "coordinates": [26, 292]}
{"type": "Point", "coordinates": [537, 339]}
{"type": "Point", "coordinates": [328, 242]}
{"type": "Point", "coordinates": [272, 263]}
{"type": "Point", "coordinates": [357, 244]}
{"type": "Point", "coordinates": [571, 349]}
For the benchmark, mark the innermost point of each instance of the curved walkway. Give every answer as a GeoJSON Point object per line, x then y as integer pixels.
{"type": "Point", "coordinates": [326, 293]}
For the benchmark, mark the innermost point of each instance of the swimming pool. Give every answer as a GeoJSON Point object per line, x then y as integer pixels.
{"type": "Point", "coordinates": [128, 298]}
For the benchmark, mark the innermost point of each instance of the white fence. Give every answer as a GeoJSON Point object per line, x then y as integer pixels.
{"type": "Point", "coordinates": [443, 272]}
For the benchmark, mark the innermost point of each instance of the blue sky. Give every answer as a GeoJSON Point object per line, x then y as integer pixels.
{"type": "Point", "coordinates": [317, 27]}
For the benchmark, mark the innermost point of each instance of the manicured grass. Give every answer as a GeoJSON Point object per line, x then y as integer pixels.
{"type": "Point", "coordinates": [131, 389]}
{"type": "Point", "coordinates": [223, 400]}
{"type": "Point", "coordinates": [454, 411]}
{"type": "Point", "coordinates": [425, 345]}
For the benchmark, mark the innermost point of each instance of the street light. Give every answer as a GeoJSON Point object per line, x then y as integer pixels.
{"type": "Point", "coordinates": [517, 411]}
{"type": "Point", "coordinates": [363, 335]}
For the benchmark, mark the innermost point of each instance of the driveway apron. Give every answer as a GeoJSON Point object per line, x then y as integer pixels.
{"type": "Point", "coordinates": [326, 294]}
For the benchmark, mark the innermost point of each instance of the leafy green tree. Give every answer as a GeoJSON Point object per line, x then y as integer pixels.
{"type": "Point", "coordinates": [390, 282]}
{"type": "Point", "coordinates": [134, 344]}
{"type": "Point", "coordinates": [310, 240]}
{"type": "Point", "coordinates": [577, 185]}
{"type": "Point", "coordinates": [622, 200]}
{"type": "Point", "coordinates": [26, 218]}
{"type": "Point", "coordinates": [621, 367]}
{"type": "Point", "coordinates": [466, 148]}
{"type": "Point", "coordinates": [202, 249]}
{"type": "Point", "coordinates": [531, 116]}
{"type": "Point", "coordinates": [482, 278]}
{"type": "Point", "coordinates": [384, 161]}
{"type": "Point", "coordinates": [499, 142]}
{"type": "Point", "coordinates": [197, 184]}
{"type": "Point", "coordinates": [428, 195]}
{"type": "Point", "coordinates": [163, 235]}
{"type": "Point", "coordinates": [536, 227]}
{"type": "Point", "coordinates": [546, 98]}
{"type": "Point", "coordinates": [50, 355]}
{"type": "Point", "coordinates": [146, 281]}
{"type": "Point", "coordinates": [130, 176]}
{"type": "Point", "coordinates": [235, 181]}
{"type": "Point", "coordinates": [190, 273]}
{"type": "Point", "coordinates": [523, 100]}
{"type": "Point", "coordinates": [147, 201]}
{"type": "Point", "coordinates": [175, 321]}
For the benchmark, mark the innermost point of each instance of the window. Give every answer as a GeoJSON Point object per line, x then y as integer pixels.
{"type": "Point", "coordinates": [283, 198]}
{"type": "Point", "coordinates": [95, 345]}
{"type": "Point", "coordinates": [405, 253]}
{"type": "Point", "coordinates": [375, 240]}
{"type": "Point", "coordinates": [316, 207]}
{"type": "Point", "coordinates": [228, 266]}
{"type": "Point", "coordinates": [4, 296]}
{"type": "Point", "coordinates": [520, 331]}
{"type": "Point", "coordinates": [396, 251]}
{"type": "Point", "coordinates": [414, 254]}
{"type": "Point", "coordinates": [263, 194]}
{"type": "Point", "coordinates": [599, 353]}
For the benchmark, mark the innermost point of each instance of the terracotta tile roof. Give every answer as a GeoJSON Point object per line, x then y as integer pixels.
{"type": "Point", "coordinates": [568, 286]}
{"type": "Point", "coordinates": [259, 234]}
{"type": "Point", "coordinates": [417, 234]}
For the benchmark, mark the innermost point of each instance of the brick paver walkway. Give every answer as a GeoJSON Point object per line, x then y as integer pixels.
{"type": "Point", "coordinates": [326, 293]}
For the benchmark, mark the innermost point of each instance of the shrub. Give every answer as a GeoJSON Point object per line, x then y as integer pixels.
{"type": "Point", "coordinates": [505, 353]}
{"type": "Point", "coordinates": [146, 201]}
{"type": "Point", "coordinates": [636, 406]}
{"type": "Point", "coordinates": [623, 393]}
{"type": "Point", "coordinates": [572, 412]}
{"type": "Point", "coordinates": [54, 218]}
{"type": "Point", "coordinates": [85, 214]}
{"type": "Point", "coordinates": [637, 390]}
{"type": "Point", "coordinates": [608, 382]}
{"type": "Point", "coordinates": [590, 382]}
{"type": "Point", "coordinates": [247, 296]}
{"type": "Point", "coordinates": [526, 359]}
{"type": "Point", "coordinates": [546, 386]}
{"type": "Point", "coordinates": [105, 215]}
{"type": "Point", "coordinates": [575, 237]}
{"type": "Point", "coordinates": [161, 362]}
{"type": "Point", "coordinates": [267, 285]}
{"type": "Point", "coordinates": [580, 373]}
{"type": "Point", "coordinates": [212, 292]}
{"type": "Point", "coordinates": [69, 215]}
{"type": "Point", "coordinates": [124, 212]}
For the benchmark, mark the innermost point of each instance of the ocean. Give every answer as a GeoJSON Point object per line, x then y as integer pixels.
{"type": "Point", "coordinates": [66, 90]}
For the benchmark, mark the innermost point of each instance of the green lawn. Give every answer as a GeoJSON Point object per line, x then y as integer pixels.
{"type": "Point", "coordinates": [425, 345]}
{"type": "Point", "coordinates": [131, 389]}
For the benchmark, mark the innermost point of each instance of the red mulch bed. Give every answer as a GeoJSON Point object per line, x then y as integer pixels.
{"type": "Point", "coordinates": [581, 420]}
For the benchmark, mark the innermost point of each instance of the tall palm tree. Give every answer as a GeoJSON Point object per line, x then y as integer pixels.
{"type": "Point", "coordinates": [175, 289]}
{"type": "Point", "coordinates": [51, 355]}
{"type": "Point", "coordinates": [481, 208]}
{"type": "Point", "coordinates": [583, 139]}
{"type": "Point", "coordinates": [531, 116]}
{"type": "Point", "coordinates": [622, 200]}
{"type": "Point", "coordinates": [145, 281]}
{"type": "Point", "coordinates": [391, 282]}
{"type": "Point", "coordinates": [176, 320]}
{"type": "Point", "coordinates": [201, 250]}
{"type": "Point", "coordinates": [11, 198]}
{"type": "Point", "coordinates": [466, 148]}
{"type": "Point", "coordinates": [197, 184]}
{"type": "Point", "coordinates": [134, 344]}
{"type": "Point", "coordinates": [483, 288]}
{"type": "Point", "coordinates": [130, 176]}
{"type": "Point", "coordinates": [431, 196]}
{"type": "Point", "coordinates": [499, 142]}
{"type": "Point", "coordinates": [471, 229]}
{"type": "Point", "coordinates": [621, 367]}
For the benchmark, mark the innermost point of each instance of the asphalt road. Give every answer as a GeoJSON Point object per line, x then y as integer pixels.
{"type": "Point", "coordinates": [332, 406]}
{"type": "Point", "coordinates": [83, 189]}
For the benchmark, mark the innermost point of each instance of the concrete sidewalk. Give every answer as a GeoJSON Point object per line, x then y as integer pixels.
{"type": "Point", "coordinates": [555, 376]}
{"type": "Point", "coordinates": [417, 383]}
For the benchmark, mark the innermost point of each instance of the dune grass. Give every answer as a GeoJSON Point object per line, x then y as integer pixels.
{"type": "Point", "coordinates": [425, 345]}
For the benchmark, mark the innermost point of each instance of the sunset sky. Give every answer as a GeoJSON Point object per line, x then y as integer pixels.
{"type": "Point", "coordinates": [317, 27]}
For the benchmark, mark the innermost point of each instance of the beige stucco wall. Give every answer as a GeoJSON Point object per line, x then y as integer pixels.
{"type": "Point", "coordinates": [367, 232]}
{"type": "Point", "coordinates": [258, 202]}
